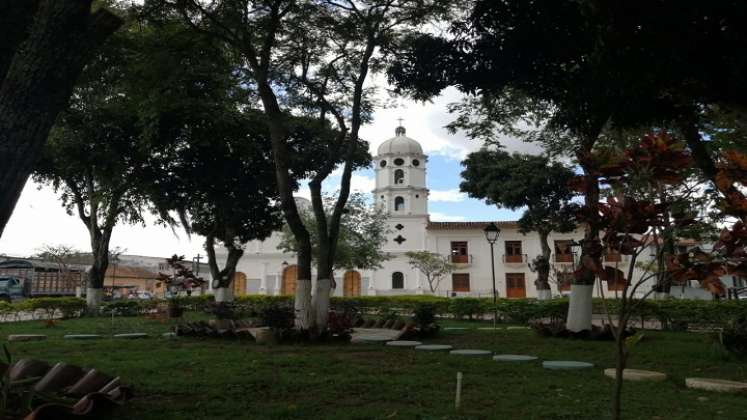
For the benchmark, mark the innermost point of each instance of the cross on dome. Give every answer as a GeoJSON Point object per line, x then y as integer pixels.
{"type": "Point", "coordinates": [400, 130]}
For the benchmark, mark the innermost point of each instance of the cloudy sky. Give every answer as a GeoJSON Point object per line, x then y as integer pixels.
{"type": "Point", "coordinates": [39, 219]}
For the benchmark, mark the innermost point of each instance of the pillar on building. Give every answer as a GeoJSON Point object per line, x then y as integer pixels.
{"type": "Point", "coordinates": [263, 280]}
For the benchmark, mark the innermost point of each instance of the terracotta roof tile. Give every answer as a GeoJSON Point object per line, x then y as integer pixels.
{"type": "Point", "coordinates": [469, 225]}
{"type": "Point", "coordinates": [130, 272]}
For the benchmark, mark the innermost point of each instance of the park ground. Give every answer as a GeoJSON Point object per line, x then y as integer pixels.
{"type": "Point", "coordinates": [212, 378]}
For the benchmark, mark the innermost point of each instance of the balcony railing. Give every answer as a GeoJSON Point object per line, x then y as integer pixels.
{"type": "Point", "coordinates": [563, 258]}
{"type": "Point", "coordinates": [616, 258]}
{"type": "Point", "coordinates": [461, 259]}
{"type": "Point", "coordinates": [613, 257]}
{"type": "Point", "coordinates": [515, 259]}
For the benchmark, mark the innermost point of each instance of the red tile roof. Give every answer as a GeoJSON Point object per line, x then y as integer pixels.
{"type": "Point", "coordinates": [130, 272]}
{"type": "Point", "coordinates": [469, 225]}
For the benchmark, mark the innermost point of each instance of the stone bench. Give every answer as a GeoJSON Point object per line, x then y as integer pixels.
{"type": "Point", "coordinates": [717, 385]}
{"type": "Point", "coordinates": [26, 337]}
{"type": "Point", "coordinates": [376, 335]}
{"type": "Point", "coordinates": [637, 375]}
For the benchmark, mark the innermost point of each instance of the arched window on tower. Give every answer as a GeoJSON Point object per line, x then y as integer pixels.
{"type": "Point", "coordinates": [399, 176]}
{"type": "Point", "coordinates": [399, 204]}
{"type": "Point", "coordinates": [398, 280]}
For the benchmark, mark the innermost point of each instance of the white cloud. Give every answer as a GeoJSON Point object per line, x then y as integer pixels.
{"type": "Point", "coordinates": [441, 217]}
{"type": "Point", "coordinates": [425, 122]}
{"type": "Point", "coordinates": [363, 184]}
{"type": "Point", "coordinates": [450, 196]}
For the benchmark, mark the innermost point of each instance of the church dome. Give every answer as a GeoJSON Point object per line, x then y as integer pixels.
{"type": "Point", "coordinates": [400, 145]}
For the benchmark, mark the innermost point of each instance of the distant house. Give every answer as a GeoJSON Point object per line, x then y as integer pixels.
{"type": "Point", "coordinates": [44, 278]}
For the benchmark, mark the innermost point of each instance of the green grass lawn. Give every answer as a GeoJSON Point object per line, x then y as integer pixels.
{"type": "Point", "coordinates": [227, 379]}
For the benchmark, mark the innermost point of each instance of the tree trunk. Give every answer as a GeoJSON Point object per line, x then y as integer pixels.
{"type": "Point", "coordinates": [320, 303]}
{"type": "Point", "coordinates": [580, 306]}
{"type": "Point", "coordinates": [304, 320]}
{"type": "Point", "coordinates": [543, 268]}
{"type": "Point", "coordinates": [37, 75]}
{"type": "Point", "coordinates": [223, 294]}
{"type": "Point", "coordinates": [223, 278]}
{"type": "Point", "coordinates": [97, 272]}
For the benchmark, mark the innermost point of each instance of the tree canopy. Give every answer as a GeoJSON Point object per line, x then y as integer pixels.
{"type": "Point", "coordinates": [363, 232]}
{"type": "Point", "coordinates": [515, 181]}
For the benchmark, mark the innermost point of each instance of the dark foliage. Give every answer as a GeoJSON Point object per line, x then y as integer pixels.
{"type": "Point", "coordinates": [557, 329]}
{"type": "Point", "coordinates": [733, 338]}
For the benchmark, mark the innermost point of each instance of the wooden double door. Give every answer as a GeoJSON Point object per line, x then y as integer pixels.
{"type": "Point", "coordinates": [516, 286]}
{"type": "Point", "coordinates": [239, 284]}
{"type": "Point", "coordinates": [288, 284]}
{"type": "Point", "coordinates": [351, 283]}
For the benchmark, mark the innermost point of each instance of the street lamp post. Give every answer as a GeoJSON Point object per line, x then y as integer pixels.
{"type": "Point", "coordinates": [491, 234]}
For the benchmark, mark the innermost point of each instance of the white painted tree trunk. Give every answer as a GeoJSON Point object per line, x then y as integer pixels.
{"type": "Point", "coordinates": [320, 303]}
{"type": "Point", "coordinates": [303, 309]}
{"type": "Point", "coordinates": [94, 297]}
{"type": "Point", "coordinates": [580, 308]}
{"type": "Point", "coordinates": [223, 294]}
{"type": "Point", "coordinates": [661, 296]}
{"type": "Point", "coordinates": [544, 294]}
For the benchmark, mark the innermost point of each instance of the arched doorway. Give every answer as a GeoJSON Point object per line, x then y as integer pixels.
{"type": "Point", "coordinates": [351, 283]}
{"type": "Point", "coordinates": [290, 275]}
{"type": "Point", "coordinates": [239, 283]}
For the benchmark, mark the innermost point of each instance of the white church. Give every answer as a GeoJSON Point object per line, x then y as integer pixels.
{"type": "Point", "coordinates": [402, 190]}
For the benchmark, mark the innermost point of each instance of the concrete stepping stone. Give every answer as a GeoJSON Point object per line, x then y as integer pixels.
{"type": "Point", "coordinates": [637, 375]}
{"type": "Point", "coordinates": [490, 328]}
{"type": "Point", "coordinates": [26, 337]}
{"type": "Point", "coordinates": [403, 343]}
{"type": "Point", "coordinates": [370, 339]}
{"type": "Point", "coordinates": [514, 358]}
{"type": "Point", "coordinates": [566, 365]}
{"type": "Point", "coordinates": [81, 336]}
{"type": "Point", "coordinates": [169, 335]}
{"type": "Point", "coordinates": [455, 328]}
{"type": "Point", "coordinates": [471, 352]}
{"type": "Point", "coordinates": [517, 328]}
{"type": "Point", "coordinates": [717, 385]}
{"type": "Point", "coordinates": [434, 347]}
{"type": "Point", "coordinates": [131, 336]}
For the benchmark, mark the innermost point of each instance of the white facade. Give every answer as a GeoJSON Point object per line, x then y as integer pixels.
{"type": "Point", "coordinates": [401, 189]}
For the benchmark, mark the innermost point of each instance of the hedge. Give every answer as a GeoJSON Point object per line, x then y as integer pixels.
{"type": "Point", "coordinates": [67, 307]}
{"type": "Point", "coordinates": [669, 312]}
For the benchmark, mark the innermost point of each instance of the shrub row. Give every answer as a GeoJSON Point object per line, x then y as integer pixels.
{"type": "Point", "coordinates": [668, 312]}
{"type": "Point", "coordinates": [67, 307]}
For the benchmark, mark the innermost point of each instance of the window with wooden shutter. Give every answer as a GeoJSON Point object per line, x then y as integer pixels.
{"type": "Point", "coordinates": [460, 282]}
{"type": "Point", "coordinates": [513, 252]}
{"type": "Point", "coordinates": [459, 252]}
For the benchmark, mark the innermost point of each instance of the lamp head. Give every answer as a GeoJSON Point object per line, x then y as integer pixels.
{"type": "Point", "coordinates": [491, 232]}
